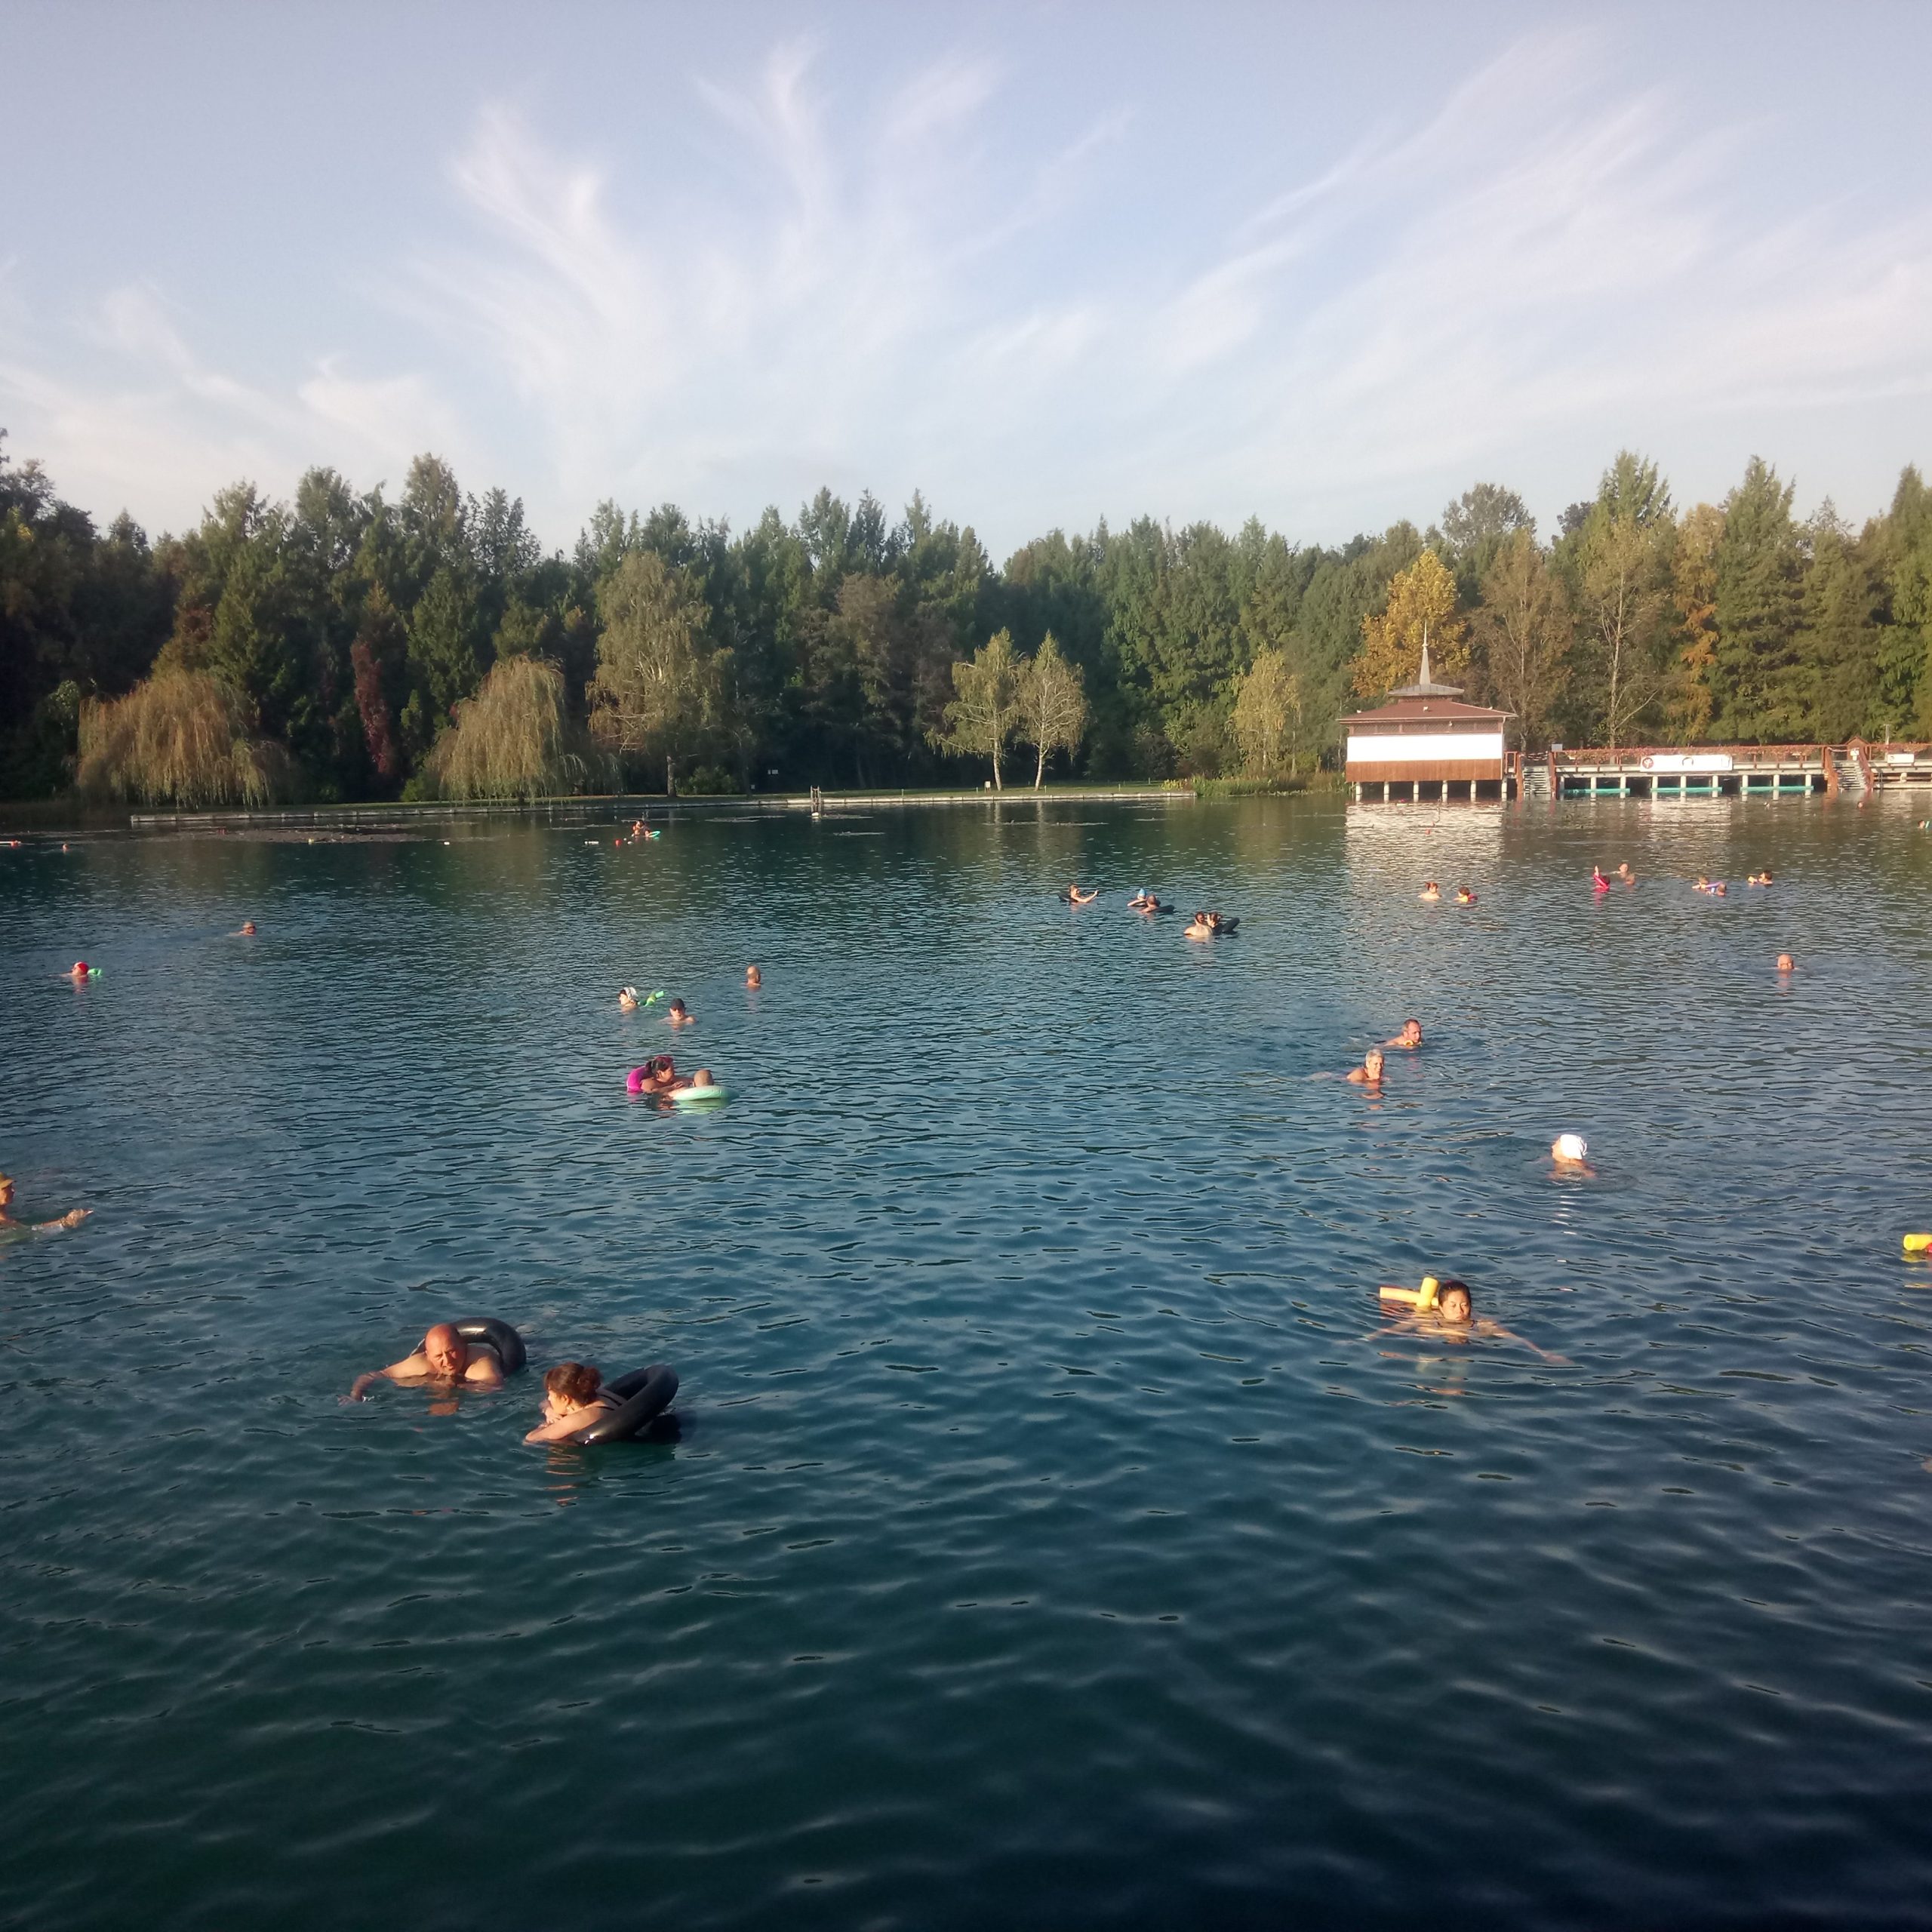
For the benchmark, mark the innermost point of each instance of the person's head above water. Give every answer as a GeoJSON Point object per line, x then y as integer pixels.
{"type": "Point", "coordinates": [1786, 963]}
{"type": "Point", "coordinates": [573, 1383]}
{"type": "Point", "coordinates": [702, 1077]}
{"type": "Point", "coordinates": [1453, 1301]}
{"type": "Point", "coordinates": [753, 977]}
{"type": "Point", "coordinates": [1569, 1147]}
{"type": "Point", "coordinates": [443, 1350]}
{"type": "Point", "coordinates": [1411, 1033]}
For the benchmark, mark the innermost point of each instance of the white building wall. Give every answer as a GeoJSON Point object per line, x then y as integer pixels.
{"type": "Point", "coordinates": [1422, 748]}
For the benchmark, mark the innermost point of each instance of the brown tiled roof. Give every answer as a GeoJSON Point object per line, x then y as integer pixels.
{"type": "Point", "coordinates": [1429, 711]}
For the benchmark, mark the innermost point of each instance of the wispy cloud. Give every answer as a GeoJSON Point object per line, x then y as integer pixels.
{"type": "Point", "coordinates": [913, 287]}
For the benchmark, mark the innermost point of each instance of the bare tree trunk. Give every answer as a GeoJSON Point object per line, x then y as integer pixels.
{"type": "Point", "coordinates": [1040, 769]}
{"type": "Point", "coordinates": [670, 778]}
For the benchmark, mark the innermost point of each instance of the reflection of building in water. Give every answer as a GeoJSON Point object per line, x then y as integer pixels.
{"type": "Point", "coordinates": [1425, 743]}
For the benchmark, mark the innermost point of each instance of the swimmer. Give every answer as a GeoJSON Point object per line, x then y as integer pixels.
{"type": "Point", "coordinates": [1454, 1315]}
{"type": "Point", "coordinates": [1143, 901]}
{"type": "Point", "coordinates": [1464, 896]}
{"type": "Point", "coordinates": [1759, 879]}
{"type": "Point", "coordinates": [73, 1218]}
{"type": "Point", "coordinates": [79, 971]}
{"type": "Point", "coordinates": [700, 1081]}
{"type": "Point", "coordinates": [1598, 882]}
{"type": "Point", "coordinates": [1074, 897]}
{"type": "Point", "coordinates": [754, 979]}
{"type": "Point", "coordinates": [573, 1398]}
{"type": "Point", "coordinates": [1409, 1039]}
{"type": "Point", "coordinates": [1220, 923]}
{"type": "Point", "coordinates": [1570, 1153]}
{"type": "Point", "coordinates": [1369, 1073]}
{"type": "Point", "coordinates": [1718, 888]}
{"type": "Point", "coordinates": [678, 1016]}
{"type": "Point", "coordinates": [661, 1076]}
{"type": "Point", "coordinates": [444, 1358]}
{"type": "Point", "coordinates": [627, 999]}
{"type": "Point", "coordinates": [1198, 926]}
{"type": "Point", "coordinates": [1624, 872]}
{"type": "Point", "coordinates": [1431, 892]}
{"type": "Point", "coordinates": [1786, 963]}
{"type": "Point", "coordinates": [1700, 883]}
{"type": "Point", "coordinates": [245, 930]}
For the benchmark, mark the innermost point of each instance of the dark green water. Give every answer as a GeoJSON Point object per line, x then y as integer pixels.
{"type": "Point", "coordinates": [1055, 1541]}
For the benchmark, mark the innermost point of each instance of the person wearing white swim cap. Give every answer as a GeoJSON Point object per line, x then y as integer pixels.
{"type": "Point", "coordinates": [1569, 1150]}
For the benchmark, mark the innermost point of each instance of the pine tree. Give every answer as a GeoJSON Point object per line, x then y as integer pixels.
{"type": "Point", "coordinates": [1756, 692]}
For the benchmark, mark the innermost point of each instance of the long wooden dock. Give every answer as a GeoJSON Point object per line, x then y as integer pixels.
{"type": "Point", "coordinates": [1721, 771]}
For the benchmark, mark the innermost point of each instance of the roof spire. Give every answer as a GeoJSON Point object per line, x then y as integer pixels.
{"type": "Point", "coordinates": [1426, 686]}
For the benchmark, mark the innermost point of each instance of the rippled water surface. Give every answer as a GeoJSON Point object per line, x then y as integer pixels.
{"type": "Point", "coordinates": [1058, 1538]}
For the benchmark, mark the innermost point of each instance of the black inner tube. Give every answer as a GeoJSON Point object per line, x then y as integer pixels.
{"type": "Point", "coordinates": [643, 1395]}
{"type": "Point", "coordinates": [494, 1334]}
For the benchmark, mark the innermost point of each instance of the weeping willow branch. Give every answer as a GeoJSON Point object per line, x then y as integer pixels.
{"type": "Point", "coordinates": [181, 738]}
{"type": "Point", "coordinates": [512, 740]}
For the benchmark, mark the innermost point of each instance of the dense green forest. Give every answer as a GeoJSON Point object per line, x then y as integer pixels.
{"type": "Point", "coordinates": [344, 646]}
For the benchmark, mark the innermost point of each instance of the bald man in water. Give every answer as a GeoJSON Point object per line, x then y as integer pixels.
{"type": "Point", "coordinates": [444, 1358]}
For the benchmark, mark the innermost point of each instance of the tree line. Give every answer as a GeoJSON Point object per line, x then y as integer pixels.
{"type": "Point", "coordinates": [343, 645]}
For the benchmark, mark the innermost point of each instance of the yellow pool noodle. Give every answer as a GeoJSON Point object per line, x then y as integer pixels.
{"type": "Point", "coordinates": [1417, 1298]}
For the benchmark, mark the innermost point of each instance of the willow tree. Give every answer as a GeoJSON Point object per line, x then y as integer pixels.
{"type": "Point", "coordinates": [511, 740]}
{"type": "Point", "coordinates": [1268, 714]}
{"type": "Point", "coordinates": [1421, 609]}
{"type": "Point", "coordinates": [985, 714]}
{"type": "Point", "coordinates": [1053, 704]}
{"type": "Point", "coordinates": [658, 690]}
{"type": "Point", "coordinates": [180, 738]}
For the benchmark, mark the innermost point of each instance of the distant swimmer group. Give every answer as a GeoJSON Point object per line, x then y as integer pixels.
{"type": "Point", "coordinates": [1209, 925]}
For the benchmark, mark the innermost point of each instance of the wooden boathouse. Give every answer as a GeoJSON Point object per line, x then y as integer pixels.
{"type": "Point", "coordinates": [1426, 744]}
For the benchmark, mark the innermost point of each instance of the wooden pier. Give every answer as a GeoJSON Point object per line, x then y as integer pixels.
{"type": "Point", "coordinates": [1700, 771]}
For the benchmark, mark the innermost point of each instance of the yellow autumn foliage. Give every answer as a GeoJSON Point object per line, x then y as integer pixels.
{"type": "Point", "coordinates": [1422, 602]}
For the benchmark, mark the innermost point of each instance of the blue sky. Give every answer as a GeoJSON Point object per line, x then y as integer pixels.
{"type": "Point", "coordinates": [1047, 263]}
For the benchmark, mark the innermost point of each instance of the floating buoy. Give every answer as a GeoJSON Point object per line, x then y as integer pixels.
{"type": "Point", "coordinates": [1917, 1244]}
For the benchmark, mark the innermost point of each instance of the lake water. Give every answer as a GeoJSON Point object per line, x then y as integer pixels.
{"type": "Point", "coordinates": [1056, 1539]}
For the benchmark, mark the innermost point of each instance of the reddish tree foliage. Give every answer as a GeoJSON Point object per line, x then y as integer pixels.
{"type": "Point", "coordinates": [378, 728]}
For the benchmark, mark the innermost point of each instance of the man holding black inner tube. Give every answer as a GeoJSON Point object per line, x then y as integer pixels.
{"type": "Point", "coordinates": [444, 1358]}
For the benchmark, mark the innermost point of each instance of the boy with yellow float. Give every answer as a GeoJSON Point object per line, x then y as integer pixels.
{"type": "Point", "coordinates": [1450, 1309]}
